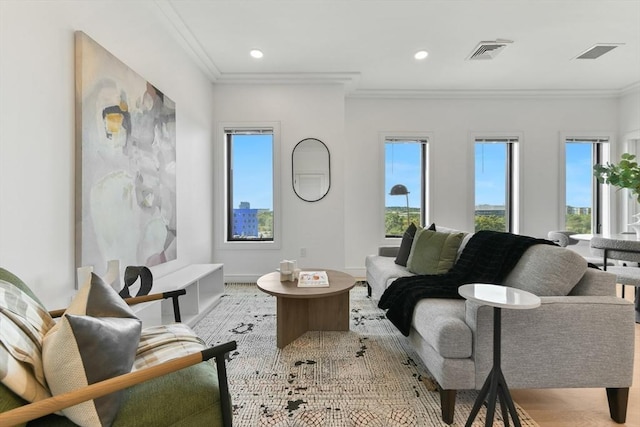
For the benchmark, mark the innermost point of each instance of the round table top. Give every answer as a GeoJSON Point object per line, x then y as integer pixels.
{"type": "Point", "coordinates": [499, 296]}
{"type": "Point", "coordinates": [339, 282]}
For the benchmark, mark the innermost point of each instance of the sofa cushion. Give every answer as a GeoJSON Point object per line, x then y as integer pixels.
{"type": "Point", "coordinates": [23, 324]}
{"type": "Point", "coordinates": [407, 242]}
{"type": "Point", "coordinates": [547, 270]}
{"type": "Point", "coordinates": [465, 239]}
{"type": "Point", "coordinates": [95, 340]}
{"type": "Point", "coordinates": [433, 252]}
{"type": "Point", "coordinates": [441, 323]}
{"type": "Point", "coordinates": [381, 272]}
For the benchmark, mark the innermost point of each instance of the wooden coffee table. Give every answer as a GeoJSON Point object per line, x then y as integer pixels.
{"type": "Point", "coordinates": [300, 310]}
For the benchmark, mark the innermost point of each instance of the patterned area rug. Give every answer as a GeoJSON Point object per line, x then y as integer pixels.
{"type": "Point", "coordinates": [368, 376]}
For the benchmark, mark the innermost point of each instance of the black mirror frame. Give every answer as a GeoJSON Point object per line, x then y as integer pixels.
{"type": "Point", "coordinates": [293, 170]}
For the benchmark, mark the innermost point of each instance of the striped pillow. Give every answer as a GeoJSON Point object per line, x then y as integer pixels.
{"type": "Point", "coordinates": [159, 344]}
{"type": "Point", "coordinates": [23, 324]}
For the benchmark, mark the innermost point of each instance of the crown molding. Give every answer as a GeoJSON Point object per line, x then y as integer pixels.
{"type": "Point", "coordinates": [347, 79]}
{"type": "Point", "coordinates": [187, 40]}
{"type": "Point", "coordinates": [351, 80]}
{"type": "Point", "coordinates": [484, 94]}
{"type": "Point", "coordinates": [632, 88]}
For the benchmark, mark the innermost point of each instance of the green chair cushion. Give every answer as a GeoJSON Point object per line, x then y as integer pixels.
{"type": "Point", "coordinates": [189, 397]}
{"type": "Point", "coordinates": [9, 400]}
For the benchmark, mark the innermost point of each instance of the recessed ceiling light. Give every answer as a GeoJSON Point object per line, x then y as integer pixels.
{"type": "Point", "coordinates": [421, 54]}
{"type": "Point", "coordinates": [256, 53]}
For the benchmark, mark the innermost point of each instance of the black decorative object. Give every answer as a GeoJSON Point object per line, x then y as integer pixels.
{"type": "Point", "coordinates": [131, 274]}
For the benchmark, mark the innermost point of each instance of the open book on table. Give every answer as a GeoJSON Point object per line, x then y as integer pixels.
{"type": "Point", "coordinates": [313, 279]}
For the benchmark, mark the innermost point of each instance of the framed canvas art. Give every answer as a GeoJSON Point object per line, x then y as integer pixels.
{"type": "Point", "coordinates": [125, 163]}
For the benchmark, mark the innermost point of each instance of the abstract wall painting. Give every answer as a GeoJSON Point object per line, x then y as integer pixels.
{"type": "Point", "coordinates": [125, 163]}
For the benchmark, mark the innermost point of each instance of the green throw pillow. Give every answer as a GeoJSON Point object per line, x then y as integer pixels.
{"type": "Point", "coordinates": [433, 252]}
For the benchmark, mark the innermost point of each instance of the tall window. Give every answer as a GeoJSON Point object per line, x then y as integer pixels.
{"type": "Point", "coordinates": [494, 183]}
{"type": "Point", "coordinates": [404, 183]}
{"type": "Point", "coordinates": [583, 198]}
{"type": "Point", "coordinates": [250, 184]}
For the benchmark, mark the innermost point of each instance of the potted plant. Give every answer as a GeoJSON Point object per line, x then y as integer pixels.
{"type": "Point", "coordinates": [625, 174]}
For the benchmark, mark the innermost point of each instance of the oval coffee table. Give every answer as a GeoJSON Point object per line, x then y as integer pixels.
{"type": "Point", "coordinates": [300, 310]}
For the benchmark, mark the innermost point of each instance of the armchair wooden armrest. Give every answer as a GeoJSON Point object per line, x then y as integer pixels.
{"type": "Point", "coordinates": [174, 295]}
{"type": "Point", "coordinates": [53, 404]}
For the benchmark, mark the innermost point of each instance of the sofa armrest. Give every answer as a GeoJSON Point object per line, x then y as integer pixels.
{"type": "Point", "coordinates": [573, 341]}
{"type": "Point", "coordinates": [595, 282]}
{"type": "Point", "coordinates": [388, 251]}
{"type": "Point", "coordinates": [56, 403]}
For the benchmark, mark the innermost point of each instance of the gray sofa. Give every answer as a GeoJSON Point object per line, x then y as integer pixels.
{"type": "Point", "coordinates": [581, 336]}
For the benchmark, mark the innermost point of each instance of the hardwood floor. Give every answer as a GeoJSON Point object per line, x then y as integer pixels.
{"type": "Point", "coordinates": [581, 407]}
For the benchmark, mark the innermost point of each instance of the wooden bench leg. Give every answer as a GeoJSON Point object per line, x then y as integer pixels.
{"type": "Point", "coordinates": [618, 399]}
{"type": "Point", "coordinates": [448, 405]}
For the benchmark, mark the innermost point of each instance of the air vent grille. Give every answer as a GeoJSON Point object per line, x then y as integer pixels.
{"type": "Point", "coordinates": [488, 50]}
{"type": "Point", "coordinates": [597, 51]}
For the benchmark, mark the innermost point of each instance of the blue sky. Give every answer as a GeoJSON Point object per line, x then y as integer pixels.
{"type": "Point", "coordinates": [579, 174]}
{"type": "Point", "coordinates": [253, 171]}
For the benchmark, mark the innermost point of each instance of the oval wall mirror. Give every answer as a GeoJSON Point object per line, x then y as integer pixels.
{"type": "Point", "coordinates": [311, 169]}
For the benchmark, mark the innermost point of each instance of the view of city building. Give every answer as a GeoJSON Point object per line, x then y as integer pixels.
{"type": "Point", "coordinates": [251, 223]}
{"type": "Point", "coordinates": [245, 221]}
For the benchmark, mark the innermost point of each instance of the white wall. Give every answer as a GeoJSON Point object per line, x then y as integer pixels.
{"type": "Point", "coordinates": [37, 147]}
{"type": "Point", "coordinates": [629, 117]}
{"type": "Point", "coordinates": [37, 132]}
{"type": "Point", "coordinates": [629, 138]}
{"type": "Point", "coordinates": [539, 121]}
{"type": "Point", "coordinates": [303, 111]}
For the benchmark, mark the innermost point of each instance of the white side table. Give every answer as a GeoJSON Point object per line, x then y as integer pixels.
{"type": "Point", "coordinates": [495, 385]}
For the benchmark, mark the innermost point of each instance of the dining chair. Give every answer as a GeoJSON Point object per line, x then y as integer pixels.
{"type": "Point", "coordinates": [626, 252]}
{"type": "Point", "coordinates": [563, 238]}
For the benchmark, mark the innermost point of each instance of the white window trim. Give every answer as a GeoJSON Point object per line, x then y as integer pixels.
{"type": "Point", "coordinates": [517, 213]}
{"type": "Point", "coordinates": [609, 208]}
{"type": "Point", "coordinates": [221, 220]}
{"type": "Point", "coordinates": [382, 138]}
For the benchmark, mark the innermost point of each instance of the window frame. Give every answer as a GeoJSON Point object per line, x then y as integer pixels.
{"type": "Point", "coordinates": [604, 208]}
{"type": "Point", "coordinates": [513, 182]}
{"type": "Point", "coordinates": [426, 139]}
{"type": "Point", "coordinates": [226, 219]}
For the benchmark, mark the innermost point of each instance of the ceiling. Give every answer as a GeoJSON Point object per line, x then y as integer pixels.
{"type": "Point", "coordinates": [368, 45]}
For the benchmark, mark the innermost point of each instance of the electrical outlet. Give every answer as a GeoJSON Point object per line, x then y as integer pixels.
{"type": "Point", "coordinates": [303, 252]}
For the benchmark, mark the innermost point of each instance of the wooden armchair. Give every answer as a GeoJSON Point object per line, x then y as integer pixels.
{"type": "Point", "coordinates": [187, 390]}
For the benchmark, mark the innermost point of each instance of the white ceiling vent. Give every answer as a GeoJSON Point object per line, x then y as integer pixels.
{"type": "Point", "coordinates": [596, 51]}
{"type": "Point", "coordinates": [488, 50]}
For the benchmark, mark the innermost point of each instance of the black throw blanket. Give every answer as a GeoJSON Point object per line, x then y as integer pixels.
{"type": "Point", "coordinates": [488, 257]}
